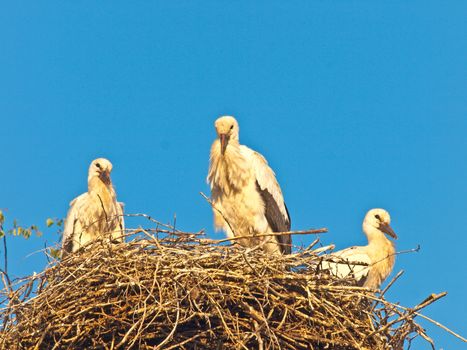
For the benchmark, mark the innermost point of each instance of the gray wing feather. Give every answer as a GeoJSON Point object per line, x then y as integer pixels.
{"type": "Point", "coordinates": [276, 219]}
{"type": "Point", "coordinates": [276, 211]}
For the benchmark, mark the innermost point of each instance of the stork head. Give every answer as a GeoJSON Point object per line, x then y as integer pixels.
{"type": "Point", "coordinates": [227, 129]}
{"type": "Point", "coordinates": [380, 220]}
{"type": "Point", "coordinates": [101, 168]}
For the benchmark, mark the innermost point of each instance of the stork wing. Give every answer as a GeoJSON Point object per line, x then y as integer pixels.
{"type": "Point", "coordinates": [276, 211]}
{"type": "Point", "coordinates": [352, 261]}
{"type": "Point", "coordinates": [72, 223]}
{"type": "Point", "coordinates": [121, 221]}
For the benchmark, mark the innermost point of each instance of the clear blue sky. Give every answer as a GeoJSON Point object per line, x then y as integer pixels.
{"type": "Point", "coordinates": [356, 104]}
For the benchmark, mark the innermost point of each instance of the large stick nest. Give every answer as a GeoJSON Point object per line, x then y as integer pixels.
{"type": "Point", "coordinates": [187, 292]}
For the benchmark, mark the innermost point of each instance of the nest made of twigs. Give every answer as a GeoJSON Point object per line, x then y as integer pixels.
{"type": "Point", "coordinates": [187, 292]}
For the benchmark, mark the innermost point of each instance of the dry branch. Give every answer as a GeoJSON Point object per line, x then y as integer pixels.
{"type": "Point", "coordinates": [188, 292]}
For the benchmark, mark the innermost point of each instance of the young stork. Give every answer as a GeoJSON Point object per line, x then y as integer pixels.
{"type": "Point", "coordinates": [247, 199]}
{"type": "Point", "coordinates": [94, 213]}
{"type": "Point", "coordinates": [378, 255]}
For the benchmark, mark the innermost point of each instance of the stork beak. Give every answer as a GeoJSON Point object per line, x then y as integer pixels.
{"type": "Point", "coordinates": [387, 229]}
{"type": "Point", "coordinates": [224, 140]}
{"type": "Point", "coordinates": [105, 177]}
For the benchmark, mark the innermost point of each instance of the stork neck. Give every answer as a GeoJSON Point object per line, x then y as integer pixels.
{"type": "Point", "coordinates": [374, 235]}
{"type": "Point", "coordinates": [232, 151]}
{"type": "Point", "coordinates": [229, 170]}
{"type": "Point", "coordinates": [97, 185]}
{"type": "Point", "coordinates": [233, 145]}
{"type": "Point", "coordinates": [232, 158]}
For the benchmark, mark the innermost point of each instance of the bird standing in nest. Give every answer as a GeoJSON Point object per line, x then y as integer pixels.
{"type": "Point", "coordinates": [247, 199]}
{"type": "Point", "coordinates": [370, 265]}
{"type": "Point", "coordinates": [95, 213]}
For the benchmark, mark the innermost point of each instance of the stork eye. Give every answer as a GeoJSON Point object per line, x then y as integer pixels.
{"type": "Point", "coordinates": [378, 217]}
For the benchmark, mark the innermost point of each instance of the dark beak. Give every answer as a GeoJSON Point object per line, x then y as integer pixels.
{"type": "Point", "coordinates": [387, 229]}
{"type": "Point", "coordinates": [224, 139]}
{"type": "Point", "coordinates": [105, 177]}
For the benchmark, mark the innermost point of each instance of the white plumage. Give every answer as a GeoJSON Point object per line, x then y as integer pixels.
{"type": "Point", "coordinates": [95, 213]}
{"type": "Point", "coordinates": [370, 265]}
{"type": "Point", "coordinates": [245, 190]}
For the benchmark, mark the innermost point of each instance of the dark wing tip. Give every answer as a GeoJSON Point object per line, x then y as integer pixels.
{"type": "Point", "coordinates": [285, 244]}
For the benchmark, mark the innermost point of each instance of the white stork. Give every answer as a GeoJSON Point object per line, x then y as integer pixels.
{"type": "Point", "coordinates": [247, 199]}
{"type": "Point", "coordinates": [378, 256]}
{"type": "Point", "coordinates": [95, 213]}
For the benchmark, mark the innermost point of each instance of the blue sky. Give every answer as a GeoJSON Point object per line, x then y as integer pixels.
{"type": "Point", "coordinates": [356, 104]}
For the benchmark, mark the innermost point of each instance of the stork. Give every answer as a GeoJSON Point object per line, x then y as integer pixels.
{"type": "Point", "coordinates": [370, 265]}
{"type": "Point", "coordinates": [247, 199]}
{"type": "Point", "coordinates": [95, 213]}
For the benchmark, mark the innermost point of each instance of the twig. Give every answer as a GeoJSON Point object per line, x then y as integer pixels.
{"type": "Point", "coordinates": [150, 218]}
{"type": "Point", "coordinates": [189, 292]}
{"type": "Point", "coordinates": [431, 299]}
{"type": "Point", "coordinates": [304, 232]}
{"type": "Point", "coordinates": [5, 255]}
{"type": "Point", "coordinates": [396, 277]}
{"type": "Point", "coordinates": [408, 251]}
{"type": "Point", "coordinates": [217, 210]}
{"type": "Point", "coordinates": [440, 325]}
{"type": "Point", "coordinates": [4, 272]}
{"type": "Point", "coordinates": [383, 292]}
